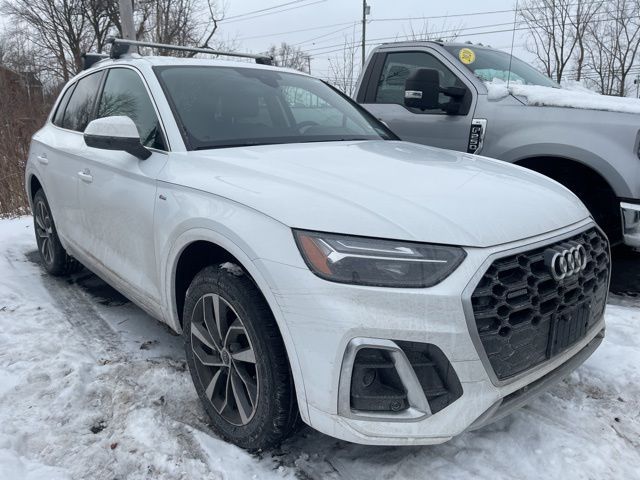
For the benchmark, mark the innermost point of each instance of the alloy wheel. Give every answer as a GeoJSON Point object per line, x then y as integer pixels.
{"type": "Point", "coordinates": [225, 360]}
{"type": "Point", "coordinates": [44, 231]}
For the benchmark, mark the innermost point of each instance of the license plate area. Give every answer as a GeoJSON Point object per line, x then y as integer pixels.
{"type": "Point", "coordinates": [567, 328]}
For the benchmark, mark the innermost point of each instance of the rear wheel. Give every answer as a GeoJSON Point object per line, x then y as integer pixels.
{"type": "Point", "coordinates": [237, 359]}
{"type": "Point", "coordinates": [53, 255]}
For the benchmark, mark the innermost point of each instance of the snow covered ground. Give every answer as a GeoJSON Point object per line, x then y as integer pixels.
{"type": "Point", "coordinates": [91, 387]}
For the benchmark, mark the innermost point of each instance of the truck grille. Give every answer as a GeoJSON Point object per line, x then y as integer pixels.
{"type": "Point", "coordinates": [525, 316]}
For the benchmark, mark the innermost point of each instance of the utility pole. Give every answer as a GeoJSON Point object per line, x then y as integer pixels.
{"type": "Point", "coordinates": [309, 64]}
{"type": "Point", "coordinates": [366, 9]}
{"type": "Point", "coordinates": [126, 20]}
{"type": "Point", "coordinates": [637, 84]}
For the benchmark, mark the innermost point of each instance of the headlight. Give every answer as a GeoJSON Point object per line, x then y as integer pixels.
{"type": "Point", "coordinates": [375, 262]}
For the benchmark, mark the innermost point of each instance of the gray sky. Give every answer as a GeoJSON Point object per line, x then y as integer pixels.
{"type": "Point", "coordinates": [309, 15]}
{"type": "Point", "coordinates": [322, 25]}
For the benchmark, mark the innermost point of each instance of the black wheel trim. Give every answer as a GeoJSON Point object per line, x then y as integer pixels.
{"type": "Point", "coordinates": [44, 232]}
{"type": "Point", "coordinates": [224, 360]}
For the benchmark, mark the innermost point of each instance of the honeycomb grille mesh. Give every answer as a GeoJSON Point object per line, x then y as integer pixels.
{"type": "Point", "coordinates": [517, 301]}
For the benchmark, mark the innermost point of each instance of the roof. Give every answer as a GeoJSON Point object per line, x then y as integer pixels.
{"type": "Point", "coordinates": [419, 43]}
{"type": "Point", "coordinates": [161, 61]}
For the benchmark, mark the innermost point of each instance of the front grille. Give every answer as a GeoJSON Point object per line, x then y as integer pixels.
{"type": "Point", "coordinates": [524, 316]}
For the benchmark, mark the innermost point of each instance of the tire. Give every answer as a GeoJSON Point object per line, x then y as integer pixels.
{"type": "Point", "coordinates": [54, 257]}
{"type": "Point", "coordinates": [227, 327]}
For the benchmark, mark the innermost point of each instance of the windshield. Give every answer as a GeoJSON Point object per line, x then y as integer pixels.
{"type": "Point", "coordinates": [220, 107]}
{"type": "Point", "coordinates": [493, 65]}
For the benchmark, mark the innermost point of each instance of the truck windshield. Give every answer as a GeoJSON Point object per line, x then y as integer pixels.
{"type": "Point", "coordinates": [493, 65]}
{"type": "Point", "coordinates": [219, 107]}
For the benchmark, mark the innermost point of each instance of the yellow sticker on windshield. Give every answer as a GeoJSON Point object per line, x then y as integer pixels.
{"type": "Point", "coordinates": [467, 56]}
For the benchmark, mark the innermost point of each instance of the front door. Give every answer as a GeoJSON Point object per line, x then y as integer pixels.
{"type": "Point", "coordinates": [430, 127]}
{"type": "Point", "coordinates": [118, 191]}
{"type": "Point", "coordinates": [62, 158]}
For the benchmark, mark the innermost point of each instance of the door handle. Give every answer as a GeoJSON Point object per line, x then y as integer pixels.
{"type": "Point", "coordinates": [43, 159]}
{"type": "Point", "coordinates": [85, 175]}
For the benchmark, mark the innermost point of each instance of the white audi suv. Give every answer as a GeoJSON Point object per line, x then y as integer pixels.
{"type": "Point", "coordinates": [317, 267]}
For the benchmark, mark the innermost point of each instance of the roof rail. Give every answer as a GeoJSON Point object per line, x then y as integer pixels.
{"type": "Point", "coordinates": [90, 59]}
{"type": "Point", "coordinates": [119, 48]}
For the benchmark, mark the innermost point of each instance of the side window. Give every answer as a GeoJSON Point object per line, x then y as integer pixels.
{"type": "Point", "coordinates": [79, 111]}
{"type": "Point", "coordinates": [125, 94]}
{"type": "Point", "coordinates": [57, 117]}
{"type": "Point", "coordinates": [398, 66]}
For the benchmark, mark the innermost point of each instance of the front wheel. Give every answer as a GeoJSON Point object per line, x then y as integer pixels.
{"type": "Point", "coordinates": [237, 359]}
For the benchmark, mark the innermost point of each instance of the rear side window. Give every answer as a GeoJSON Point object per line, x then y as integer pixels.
{"type": "Point", "coordinates": [57, 118]}
{"type": "Point", "coordinates": [79, 111]}
{"type": "Point", "coordinates": [125, 94]}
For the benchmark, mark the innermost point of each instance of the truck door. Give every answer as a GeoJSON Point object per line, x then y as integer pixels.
{"type": "Point", "coordinates": [382, 93]}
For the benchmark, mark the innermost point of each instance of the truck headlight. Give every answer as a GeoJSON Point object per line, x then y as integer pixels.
{"type": "Point", "coordinates": [376, 262]}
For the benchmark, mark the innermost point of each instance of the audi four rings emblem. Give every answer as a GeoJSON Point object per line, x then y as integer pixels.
{"type": "Point", "coordinates": [565, 260]}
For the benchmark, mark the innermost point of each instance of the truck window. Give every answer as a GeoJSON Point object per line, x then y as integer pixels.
{"type": "Point", "coordinates": [398, 66]}
{"type": "Point", "coordinates": [496, 66]}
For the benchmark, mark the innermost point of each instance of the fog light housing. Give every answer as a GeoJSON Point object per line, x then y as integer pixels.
{"type": "Point", "coordinates": [395, 380]}
{"type": "Point", "coordinates": [375, 383]}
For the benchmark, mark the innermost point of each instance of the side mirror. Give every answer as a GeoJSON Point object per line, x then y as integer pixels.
{"type": "Point", "coordinates": [115, 133]}
{"type": "Point", "coordinates": [422, 90]}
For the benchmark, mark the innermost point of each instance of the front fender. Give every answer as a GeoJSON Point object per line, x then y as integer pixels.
{"type": "Point", "coordinates": [279, 237]}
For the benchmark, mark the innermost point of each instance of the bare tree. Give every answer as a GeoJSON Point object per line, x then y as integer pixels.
{"type": "Point", "coordinates": [444, 31]}
{"type": "Point", "coordinates": [289, 56]}
{"type": "Point", "coordinates": [558, 29]}
{"type": "Point", "coordinates": [344, 66]}
{"type": "Point", "coordinates": [613, 47]}
{"type": "Point", "coordinates": [63, 29]}
{"type": "Point", "coordinates": [24, 105]}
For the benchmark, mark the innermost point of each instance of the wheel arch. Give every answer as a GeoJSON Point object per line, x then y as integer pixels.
{"type": "Point", "coordinates": [214, 247]}
{"type": "Point", "coordinates": [33, 185]}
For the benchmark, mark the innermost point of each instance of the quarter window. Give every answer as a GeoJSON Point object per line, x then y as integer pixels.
{"type": "Point", "coordinates": [57, 118]}
{"type": "Point", "coordinates": [79, 111]}
{"type": "Point", "coordinates": [398, 66]}
{"type": "Point", "coordinates": [125, 94]}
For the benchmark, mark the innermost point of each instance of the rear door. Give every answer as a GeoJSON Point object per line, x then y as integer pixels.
{"type": "Point", "coordinates": [383, 96]}
{"type": "Point", "coordinates": [118, 193]}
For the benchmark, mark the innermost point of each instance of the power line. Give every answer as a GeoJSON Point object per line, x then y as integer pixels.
{"type": "Point", "coordinates": [457, 31]}
{"type": "Point", "coordinates": [225, 21]}
{"type": "Point", "coordinates": [322, 27]}
{"type": "Point", "coordinates": [263, 9]}
{"type": "Point", "coordinates": [311, 40]}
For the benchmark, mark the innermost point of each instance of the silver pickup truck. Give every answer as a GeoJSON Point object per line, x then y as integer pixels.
{"type": "Point", "coordinates": [480, 100]}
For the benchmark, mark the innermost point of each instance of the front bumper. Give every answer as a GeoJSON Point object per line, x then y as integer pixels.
{"type": "Point", "coordinates": [326, 319]}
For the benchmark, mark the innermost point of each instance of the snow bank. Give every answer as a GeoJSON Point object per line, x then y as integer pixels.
{"type": "Point", "coordinates": [80, 399]}
{"type": "Point", "coordinates": [570, 96]}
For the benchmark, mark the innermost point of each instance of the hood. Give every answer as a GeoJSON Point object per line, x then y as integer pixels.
{"type": "Point", "coordinates": [385, 189]}
{"type": "Point", "coordinates": [574, 97]}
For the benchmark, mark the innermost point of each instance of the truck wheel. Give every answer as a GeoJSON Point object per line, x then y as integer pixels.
{"type": "Point", "coordinates": [237, 359]}
{"type": "Point", "coordinates": [54, 257]}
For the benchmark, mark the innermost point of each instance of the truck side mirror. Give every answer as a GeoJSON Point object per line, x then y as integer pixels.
{"type": "Point", "coordinates": [422, 89]}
